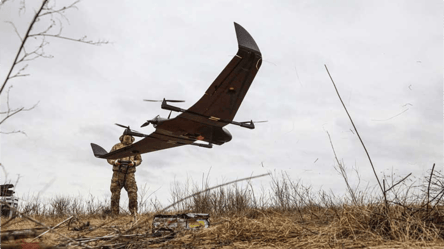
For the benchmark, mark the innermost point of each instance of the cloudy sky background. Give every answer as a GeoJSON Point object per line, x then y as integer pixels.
{"type": "Point", "coordinates": [385, 57]}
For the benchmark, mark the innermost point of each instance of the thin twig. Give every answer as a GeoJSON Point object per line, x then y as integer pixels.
{"type": "Point", "coordinates": [13, 132]}
{"type": "Point", "coordinates": [385, 194]}
{"type": "Point", "coordinates": [391, 117]}
{"type": "Point", "coordinates": [59, 11]}
{"type": "Point", "coordinates": [398, 182]}
{"type": "Point", "coordinates": [371, 163]}
{"type": "Point", "coordinates": [12, 114]}
{"type": "Point", "coordinates": [9, 113]}
{"type": "Point", "coordinates": [98, 43]}
{"type": "Point", "coordinates": [428, 188]}
{"type": "Point", "coordinates": [342, 172]}
{"type": "Point", "coordinates": [440, 193]}
{"type": "Point", "coordinates": [52, 228]}
{"type": "Point", "coordinates": [15, 29]}
{"type": "Point", "coordinates": [439, 199]}
{"type": "Point", "coordinates": [19, 73]}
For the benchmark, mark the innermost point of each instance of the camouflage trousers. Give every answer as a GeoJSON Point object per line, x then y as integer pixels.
{"type": "Point", "coordinates": [130, 186]}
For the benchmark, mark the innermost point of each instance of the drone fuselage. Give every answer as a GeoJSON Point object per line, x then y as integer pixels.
{"type": "Point", "coordinates": [221, 136]}
{"type": "Point", "coordinates": [210, 134]}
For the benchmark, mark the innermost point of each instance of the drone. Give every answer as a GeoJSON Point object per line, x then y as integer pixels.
{"type": "Point", "coordinates": [205, 120]}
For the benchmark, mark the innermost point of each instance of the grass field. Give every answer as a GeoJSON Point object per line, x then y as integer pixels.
{"type": "Point", "coordinates": [290, 215]}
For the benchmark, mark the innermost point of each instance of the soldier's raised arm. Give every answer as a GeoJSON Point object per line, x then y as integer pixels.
{"type": "Point", "coordinates": [137, 160]}
{"type": "Point", "coordinates": [112, 161]}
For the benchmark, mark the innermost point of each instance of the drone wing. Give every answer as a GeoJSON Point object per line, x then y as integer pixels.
{"type": "Point", "coordinates": [223, 98]}
{"type": "Point", "coordinates": [154, 142]}
{"type": "Point", "coordinates": [218, 106]}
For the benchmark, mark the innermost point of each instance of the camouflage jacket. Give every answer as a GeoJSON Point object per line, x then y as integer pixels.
{"type": "Point", "coordinates": [136, 158]}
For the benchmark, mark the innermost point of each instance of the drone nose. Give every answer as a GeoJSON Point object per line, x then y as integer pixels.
{"type": "Point", "coordinates": [227, 135]}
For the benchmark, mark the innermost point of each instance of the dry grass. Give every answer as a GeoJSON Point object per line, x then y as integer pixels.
{"type": "Point", "coordinates": [290, 215]}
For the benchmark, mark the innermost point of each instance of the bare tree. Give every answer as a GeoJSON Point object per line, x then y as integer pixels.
{"type": "Point", "coordinates": [52, 17]}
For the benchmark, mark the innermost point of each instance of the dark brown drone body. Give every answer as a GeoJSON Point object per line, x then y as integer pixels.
{"type": "Point", "coordinates": [204, 121]}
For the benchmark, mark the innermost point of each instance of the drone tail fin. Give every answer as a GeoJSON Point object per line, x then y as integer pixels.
{"type": "Point", "coordinates": [98, 151]}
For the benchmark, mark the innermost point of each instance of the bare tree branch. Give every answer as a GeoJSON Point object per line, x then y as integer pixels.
{"type": "Point", "coordinates": [51, 11]}
{"type": "Point", "coordinates": [25, 53]}
{"type": "Point", "coordinates": [19, 73]}
{"type": "Point", "coordinates": [48, 28]}
{"type": "Point", "coordinates": [22, 45]}
{"type": "Point", "coordinates": [11, 112]}
{"type": "Point", "coordinates": [43, 11]}
{"type": "Point", "coordinates": [83, 39]}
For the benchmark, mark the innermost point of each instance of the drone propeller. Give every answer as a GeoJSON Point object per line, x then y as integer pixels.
{"type": "Point", "coordinates": [247, 124]}
{"type": "Point", "coordinates": [122, 126]}
{"type": "Point", "coordinates": [132, 132]}
{"type": "Point", "coordinates": [167, 100]}
{"type": "Point", "coordinates": [254, 122]}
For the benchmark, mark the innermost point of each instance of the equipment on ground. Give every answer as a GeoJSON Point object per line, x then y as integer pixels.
{"type": "Point", "coordinates": [173, 223]}
{"type": "Point", "coordinates": [7, 196]}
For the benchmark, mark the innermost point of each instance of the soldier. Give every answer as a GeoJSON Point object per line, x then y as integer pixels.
{"type": "Point", "coordinates": [123, 176]}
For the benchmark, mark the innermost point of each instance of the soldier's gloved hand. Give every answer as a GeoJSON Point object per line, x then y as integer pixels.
{"type": "Point", "coordinates": [117, 162]}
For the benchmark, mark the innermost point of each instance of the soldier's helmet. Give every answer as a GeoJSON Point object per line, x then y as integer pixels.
{"type": "Point", "coordinates": [127, 132]}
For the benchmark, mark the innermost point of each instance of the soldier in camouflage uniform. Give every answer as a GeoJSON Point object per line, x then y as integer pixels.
{"type": "Point", "coordinates": [118, 181]}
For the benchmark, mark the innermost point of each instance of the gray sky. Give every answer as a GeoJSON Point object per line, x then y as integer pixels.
{"type": "Point", "coordinates": [385, 57]}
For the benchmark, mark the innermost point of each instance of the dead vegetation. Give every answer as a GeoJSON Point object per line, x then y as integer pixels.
{"type": "Point", "coordinates": [290, 215]}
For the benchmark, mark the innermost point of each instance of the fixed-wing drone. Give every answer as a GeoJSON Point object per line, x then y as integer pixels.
{"type": "Point", "coordinates": [205, 120]}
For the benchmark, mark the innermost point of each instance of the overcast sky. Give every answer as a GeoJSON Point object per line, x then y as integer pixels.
{"type": "Point", "coordinates": [385, 57]}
